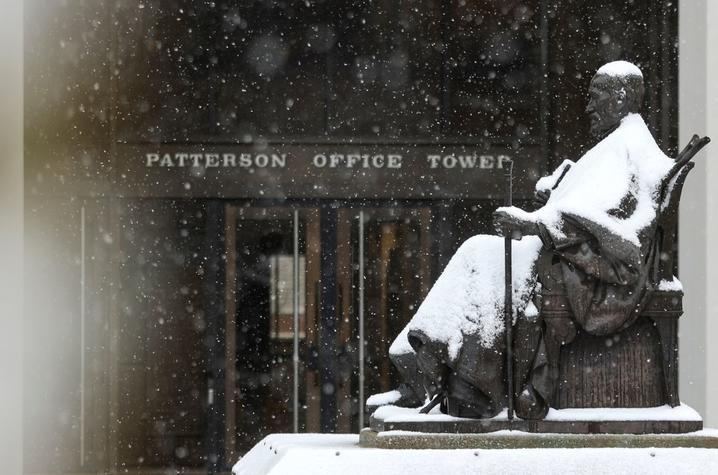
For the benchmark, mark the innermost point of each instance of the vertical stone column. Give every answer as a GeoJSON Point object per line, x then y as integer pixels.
{"type": "Point", "coordinates": [698, 228]}
{"type": "Point", "coordinates": [11, 235]}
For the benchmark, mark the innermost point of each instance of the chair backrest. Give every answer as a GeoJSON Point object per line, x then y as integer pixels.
{"type": "Point", "coordinates": [663, 248]}
{"type": "Point", "coordinates": [665, 242]}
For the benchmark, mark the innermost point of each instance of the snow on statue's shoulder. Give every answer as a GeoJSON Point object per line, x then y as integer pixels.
{"type": "Point", "coordinates": [619, 69]}
{"type": "Point", "coordinates": [467, 298]}
{"type": "Point", "coordinates": [626, 163]}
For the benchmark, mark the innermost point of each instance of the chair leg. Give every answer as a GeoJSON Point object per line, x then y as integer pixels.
{"type": "Point", "coordinates": [668, 331]}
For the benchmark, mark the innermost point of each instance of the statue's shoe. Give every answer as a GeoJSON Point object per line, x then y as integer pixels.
{"type": "Point", "coordinates": [403, 396]}
{"type": "Point", "coordinates": [530, 405]}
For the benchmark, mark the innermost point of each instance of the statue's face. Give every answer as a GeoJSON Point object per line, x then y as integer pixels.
{"type": "Point", "coordinates": [606, 106]}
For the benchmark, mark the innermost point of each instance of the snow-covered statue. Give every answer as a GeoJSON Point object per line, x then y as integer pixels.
{"type": "Point", "coordinates": [580, 263]}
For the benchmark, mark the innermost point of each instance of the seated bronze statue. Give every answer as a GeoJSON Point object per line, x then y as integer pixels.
{"type": "Point", "coordinates": [584, 263]}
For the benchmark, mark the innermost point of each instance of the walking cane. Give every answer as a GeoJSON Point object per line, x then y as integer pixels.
{"type": "Point", "coordinates": [508, 299]}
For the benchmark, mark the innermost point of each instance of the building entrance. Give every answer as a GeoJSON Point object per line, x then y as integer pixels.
{"type": "Point", "coordinates": [314, 296]}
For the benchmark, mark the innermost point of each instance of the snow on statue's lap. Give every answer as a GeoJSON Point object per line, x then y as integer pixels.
{"type": "Point", "coordinates": [467, 299]}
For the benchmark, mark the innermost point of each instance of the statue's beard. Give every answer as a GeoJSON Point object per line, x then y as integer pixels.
{"type": "Point", "coordinates": [600, 127]}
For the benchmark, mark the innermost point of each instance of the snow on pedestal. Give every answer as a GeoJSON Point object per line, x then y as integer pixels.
{"type": "Point", "coordinates": [662, 413]}
{"type": "Point", "coordinates": [315, 454]}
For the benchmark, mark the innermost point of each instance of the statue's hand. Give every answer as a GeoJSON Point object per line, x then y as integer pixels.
{"type": "Point", "coordinates": [509, 225]}
{"type": "Point", "coordinates": [541, 197]}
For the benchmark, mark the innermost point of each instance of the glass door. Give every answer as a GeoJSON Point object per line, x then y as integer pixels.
{"type": "Point", "coordinates": [386, 278]}
{"type": "Point", "coordinates": [312, 305]}
{"type": "Point", "coordinates": [265, 327]}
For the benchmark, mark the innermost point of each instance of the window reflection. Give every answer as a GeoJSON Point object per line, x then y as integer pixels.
{"type": "Point", "coordinates": [387, 70]}
{"type": "Point", "coordinates": [281, 296]}
{"type": "Point", "coordinates": [496, 68]}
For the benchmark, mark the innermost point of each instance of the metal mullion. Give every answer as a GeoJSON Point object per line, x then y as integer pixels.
{"type": "Point", "coordinates": [295, 325]}
{"type": "Point", "coordinates": [545, 103]}
{"type": "Point", "coordinates": [82, 333]}
{"type": "Point", "coordinates": [447, 73]}
{"type": "Point", "coordinates": [230, 332]}
{"type": "Point", "coordinates": [361, 320]}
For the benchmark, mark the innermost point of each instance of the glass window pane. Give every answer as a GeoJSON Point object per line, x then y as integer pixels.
{"type": "Point", "coordinates": [386, 69]}
{"type": "Point", "coordinates": [495, 63]}
{"type": "Point", "coordinates": [193, 70]}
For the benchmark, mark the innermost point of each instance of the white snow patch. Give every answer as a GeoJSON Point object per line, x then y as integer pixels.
{"type": "Point", "coordinates": [270, 450]}
{"type": "Point", "coordinates": [312, 454]}
{"type": "Point", "coordinates": [674, 284]}
{"type": "Point", "coordinates": [548, 182]}
{"type": "Point", "coordinates": [408, 414]}
{"type": "Point", "coordinates": [382, 399]}
{"type": "Point", "coordinates": [468, 297]}
{"type": "Point", "coordinates": [619, 69]}
{"type": "Point", "coordinates": [531, 311]}
{"type": "Point", "coordinates": [660, 413]}
{"type": "Point", "coordinates": [400, 345]}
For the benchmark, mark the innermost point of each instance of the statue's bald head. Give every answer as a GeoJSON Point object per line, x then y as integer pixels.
{"type": "Point", "coordinates": [616, 90]}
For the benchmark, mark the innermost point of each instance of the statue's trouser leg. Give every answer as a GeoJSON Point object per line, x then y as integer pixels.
{"type": "Point", "coordinates": [556, 328]}
{"type": "Point", "coordinates": [475, 382]}
{"type": "Point", "coordinates": [530, 369]}
{"type": "Point", "coordinates": [412, 388]}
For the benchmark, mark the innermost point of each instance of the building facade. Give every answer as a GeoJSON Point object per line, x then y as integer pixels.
{"type": "Point", "coordinates": [234, 207]}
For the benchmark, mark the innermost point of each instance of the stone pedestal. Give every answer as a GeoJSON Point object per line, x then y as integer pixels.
{"type": "Point", "coordinates": [638, 427]}
{"type": "Point", "coordinates": [398, 439]}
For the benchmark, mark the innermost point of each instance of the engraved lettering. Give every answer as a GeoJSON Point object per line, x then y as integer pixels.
{"type": "Point", "coordinates": [433, 160]}
{"type": "Point", "coordinates": [279, 160]}
{"type": "Point", "coordinates": [229, 160]}
{"type": "Point", "coordinates": [245, 160]}
{"type": "Point", "coordinates": [467, 161]}
{"type": "Point", "coordinates": [319, 160]}
{"type": "Point", "coordinates": [393, 161]}
{"type": "Point", "coordinates": [486, 161]}
{"type": "Point", "coordinates": [261, 160]}
{"type": "Point", "coordinates": [212, 160]}
{"type": "Point", "coordinates": [152, 158]}
{"type": "Point", "coordinates": [166, 161]}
